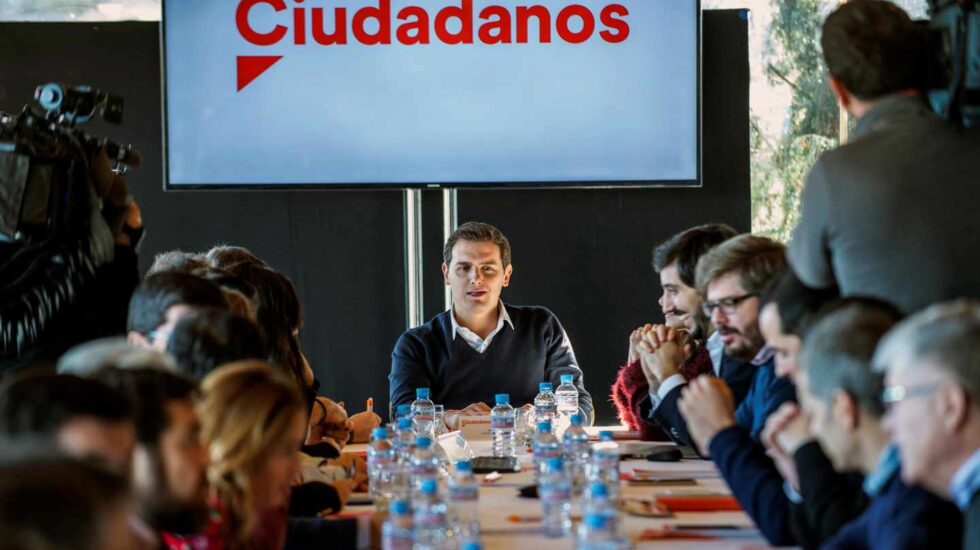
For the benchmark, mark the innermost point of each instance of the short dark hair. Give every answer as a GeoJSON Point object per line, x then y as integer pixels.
{"type": "Point", "coordinates": [873, 48]}
{"type": "Point", "coordinates": [176, 261]}
{"type": "Point", "coordinates": [279, 314]}
{"type": "Point", "coordinates": [687, 247]}
{"type": "Point", "coordinates": [477, 232]}
{"type": "Point", "coordinates": [54, 502]}
{"type": "Point", "coordinates": [209, 338]}
{"type": "Point", "coordinates": [158, 293]}
{"type": "Point", "coordinates": [797, 303]}
{"type": "Point", "coordinates": [34, 405]}
{"type": "Point", "coordinates": [149, 390]}
{"type": "Point", "coordinates": [838, 350]}
{"type": "Point", "coordinates": [222, 256]}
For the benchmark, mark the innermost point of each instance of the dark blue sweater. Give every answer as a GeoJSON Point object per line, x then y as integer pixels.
{"type": "Point", "coordinates": [743, 462]}
{"type": "Point", "coordinates": [535, 350]}
{"type": "Point", "coordinates": [902, 517]}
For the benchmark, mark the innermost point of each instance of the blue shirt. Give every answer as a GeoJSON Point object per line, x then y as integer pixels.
{"type": "Point", "coordinates": [966, 482]}
{"type": "Point", "coordinates": [888, 466]}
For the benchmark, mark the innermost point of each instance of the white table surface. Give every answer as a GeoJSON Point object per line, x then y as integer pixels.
{"type": "Point", "coordinates": [500, 501]}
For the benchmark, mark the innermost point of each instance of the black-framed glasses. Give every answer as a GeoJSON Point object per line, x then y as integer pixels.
{"type": "Point", "coordinates": [894, 394]}
{"type": "Point", "coordinates": [727, 305]}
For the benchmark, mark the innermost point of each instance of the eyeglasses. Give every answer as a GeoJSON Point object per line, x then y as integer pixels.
{"type": "Point", "coordinates": [894, 394]}
{"type": "Point", "coordinates": [727, 305]}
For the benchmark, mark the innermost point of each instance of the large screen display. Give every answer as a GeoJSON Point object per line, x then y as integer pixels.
{"type": "Point", "coordinates": [350, 93]}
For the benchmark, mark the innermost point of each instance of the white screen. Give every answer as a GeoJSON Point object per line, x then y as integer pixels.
{"type": "Point", "coordinates": [617, 105]}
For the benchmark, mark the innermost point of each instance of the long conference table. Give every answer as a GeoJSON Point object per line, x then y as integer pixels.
{"type": "Point", "coordinates": [500, 505]}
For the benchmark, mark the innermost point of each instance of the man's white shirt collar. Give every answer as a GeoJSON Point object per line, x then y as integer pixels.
{"type": "Point", "coordinates": [471, 338]}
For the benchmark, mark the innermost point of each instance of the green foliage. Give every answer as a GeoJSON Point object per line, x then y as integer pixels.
{"type": "Point", "coordinates": [779, 164]}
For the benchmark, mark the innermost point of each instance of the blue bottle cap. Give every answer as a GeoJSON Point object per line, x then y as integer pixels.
{"type": "Point", "coordinates": [429, 487]}
{"type": "Point", "coordinates": [423, 441]}
{"type": "Point", "coordinates": [404, 423]}
{"type": "Point", "coordinates": [464, 466]}
{"type": "Point", "coordinates": [567, 378]}
{"type": "Point", "coordinates": [576, 419]}
{"type": "Point", "coordinates": [596, 521]}
{"type": "Point", "coordinates": [502, 398]}
{"type": "Point", "coordinates": [422, 393]}
{"type": "Point", "coordinates": [598, 489]}
{"type": "Point", "coordinates": [605, 435]}
{"type": "Point", "coordinates": [555, 463]}
{"type": "Point", "coordinates": [400, 507]}
{"type": "Point", "coordinates": [403, 410]}
{"type": "Point", "coordinates": [544, 426]}
{"type": "Point", "coordinates": [380, 433]}
{"type": "Point", "coordinates": [545, 386]}
{"type": "Point", "coordinates": [471, 545]}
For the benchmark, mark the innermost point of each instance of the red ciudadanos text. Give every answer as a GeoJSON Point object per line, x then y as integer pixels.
{"type": "Point", "coordinates": [457, 23]}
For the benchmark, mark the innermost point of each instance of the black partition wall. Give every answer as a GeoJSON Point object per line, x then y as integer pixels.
{"type": "Point", "coordinates": [583, 253]}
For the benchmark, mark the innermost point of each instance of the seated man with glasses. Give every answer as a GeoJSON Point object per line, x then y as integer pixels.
{"type": "Point", "coordinates": [932, 376]}
{"type": "Point", "coordinates": [842, 395]}
{"type": "Point", "coordinates": [730, 277]}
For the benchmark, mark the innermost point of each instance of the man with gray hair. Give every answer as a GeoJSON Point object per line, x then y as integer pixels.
{"type": "Point", "coordinates": [932, 375]}
{"type": "Point", "coordinates": [842, 395]}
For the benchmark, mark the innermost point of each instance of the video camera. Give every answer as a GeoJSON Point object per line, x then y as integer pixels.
{"type": "Point", "coordinates": [45, 176]}
{"type": "Point", "coordinates": [954, 64]}
{"type": "Point", "coordinates": [55, 231]}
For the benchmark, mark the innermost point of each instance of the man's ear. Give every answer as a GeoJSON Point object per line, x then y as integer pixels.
{"type": "Point", "coordinates": [508, 271]}
{"type": "Point", "coordinates": [445, 273]}
{"type": "Point", "coordinates": [839, 91]}
{"type": "Point", "coordinates": [953, 406]}
{"type": "Point", "coordinates": [137, 339]}
{"type": "Point", "coordinates": [845, 410]}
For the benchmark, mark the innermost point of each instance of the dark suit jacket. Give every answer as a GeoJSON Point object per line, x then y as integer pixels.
{"type": "Point", "coordinates": [971, 539]}
{"type": "Point", "coordinates": [830, 499]}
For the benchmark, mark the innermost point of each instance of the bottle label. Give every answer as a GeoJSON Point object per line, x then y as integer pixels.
{"type": "Point", "coordinates": [501, 423]}
{"type": "Point", "coordinates": [466, 493]}
{"type": "Point", "coordinates": [429, 520]}
{"type": "Point", "coordinates": [397, 542]}
{"type": "Point", "coordinates": [551, 409]}
{"type": "Point", "coordinates": [422, 470]}
{"type": "Point", "coordinates": [561, 492]}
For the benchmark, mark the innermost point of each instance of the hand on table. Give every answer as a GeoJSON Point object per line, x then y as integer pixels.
{"type": "Point", "coordinates": [786, 430]}
{"type": "Point", "coordinates": [708, 407]}
{"type": "Point", "coordinates": [355, 465]}
{"type": "Point", "coordinates": [453, 416]}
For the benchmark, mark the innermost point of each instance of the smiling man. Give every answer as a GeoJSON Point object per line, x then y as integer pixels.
{"type": "Point", "coordinates": [482, 347]}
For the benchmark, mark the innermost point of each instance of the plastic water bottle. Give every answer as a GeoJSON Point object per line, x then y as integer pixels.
{"type": "Point", "coordinates": [596, 534]}
{"type": "Point", "coordinates": [575, 452]}
{"type": "Point", "coordinates": [402, 411]}
{"type": "Point", "coordinates": [403, 443]}
{"type": "Point", "coordinates": [605, 462]}
{"type": "Point", "coordinates": [404, 440]}
{"type": "Point", "coordinates": [502, 426]}
{"type": "Point", "coordinates": [423, 413]}
{"type": "Point", "coordinates": [545, 406]}
{"type": "Point", "coordinates": [381, 463]}
{"type": "Point", "coordinates": [431, 529]}
{"type": "Point", "coordinates": [544, 447]}
{"type": "Point", "coordinates": [464, 495]}
{"type": "Point", "coordinates": [566, 397]}
{"type": "Point", "coordinates": [555, 492]}
{"type": "Point", "coordinates": [425, 463]}
{"type": "Point", "coordinates": [596, 500]}
{"type": "Point", "coordinates": [396, 533]}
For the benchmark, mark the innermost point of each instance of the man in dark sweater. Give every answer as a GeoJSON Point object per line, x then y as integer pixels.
{"type": "Point", "coordinates": [482, 347]}
{"type": "Point", "coordinates": [932, 372]}
{"type": "Point", "coordinates": [842, 395]}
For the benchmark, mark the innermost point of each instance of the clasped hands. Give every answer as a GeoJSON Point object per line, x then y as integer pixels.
{"type": "Point", "coordinates": [661, 350]}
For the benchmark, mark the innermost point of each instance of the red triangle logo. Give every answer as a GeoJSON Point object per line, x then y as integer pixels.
{"type": "Point", "coordinates": [251, 67]}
